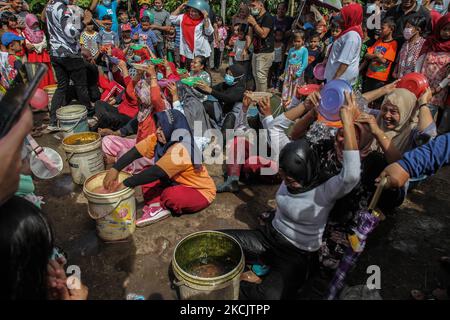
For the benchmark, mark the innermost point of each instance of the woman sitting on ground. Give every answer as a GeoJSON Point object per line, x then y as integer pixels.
{"type": "Point", "coordinates": [177, 183]}
{"type": "Point", "coordinates": [290, 243]}
{"type": "Point", "coordinates": [150, 101]}
{"type": "Point", "coordinates": [225, 97]}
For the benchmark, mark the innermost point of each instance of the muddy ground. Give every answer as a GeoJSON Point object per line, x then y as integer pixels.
{"type": "Point", "coordinates": [406, 246]}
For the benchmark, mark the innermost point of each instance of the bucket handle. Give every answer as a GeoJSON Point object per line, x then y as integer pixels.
{"type": "Point", "coordinates": [69, 156]}
{"type": "Point", "coordinates": [73, 127]}
{"type": "Point", "coordinates": [106, 214]}
{"type": "Point", "coordinates": [178, 283]}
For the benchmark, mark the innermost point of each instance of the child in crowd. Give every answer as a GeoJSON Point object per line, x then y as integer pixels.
{"type": "Point", "coordinates": [238, 49]}
{"type": "Point", "coordinates": [89, 40]}
{"type": "Point", "coordinates": [170, 44]}
{"type": "Point", "coordinates": [220, 36]}
{"type": "Point", "coordinates": [409, 53]}
{"type": "Point", "coordinates": [125, 37]}
{"type": "Point", "coordinates": [380, 57]}
{"type": "Point", "coordinates": [277, 65]}
{"type": "Point", "coordinates": [231, 41]}
{"type": "Point", "coordinates": [36, 44]}
{"type": "Point", "coordinates": [12, 43]}
{"type": "Point", "coordinates": [143, 6]}
{"type": "Point", "coordinates": [106, 37]}
{"type": "Point", "coordinates": [144, 35]}
{"type": "Point", "coordinates": [314, 55]}
{"type": "Point", "coordinates": [296, 63]}
{"type": "Point", "coordinates": [134, 22]}
{"type": "Point", "coordinates": [14, 28]}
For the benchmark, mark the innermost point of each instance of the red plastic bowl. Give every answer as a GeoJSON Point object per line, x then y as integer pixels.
{"type": "Point", "coordinates": [306, 90]}
{"type": "Point", "coordinates": [415, 82]}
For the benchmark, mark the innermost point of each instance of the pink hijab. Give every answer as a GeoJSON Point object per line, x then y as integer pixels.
{"type": "Point", "coordinates": [34, 36]}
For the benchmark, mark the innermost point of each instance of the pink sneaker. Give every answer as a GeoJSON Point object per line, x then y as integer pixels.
{"type": "Point", "coordinates": [151, 214]}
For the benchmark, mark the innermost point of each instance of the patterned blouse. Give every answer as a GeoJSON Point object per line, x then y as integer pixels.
{"type": "Point", "coordinates": [409, 54]}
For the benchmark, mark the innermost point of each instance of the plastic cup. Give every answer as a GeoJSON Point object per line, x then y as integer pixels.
{"type": "Point", "coordinates": [332, 97]}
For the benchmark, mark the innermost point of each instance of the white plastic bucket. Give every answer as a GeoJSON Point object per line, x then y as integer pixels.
{"type": "Point", "coordinates": [114, 213]}
{"type": "Point", "coordinates": [84, 154]}
{"type": "Point", "coordinates": [72, 119]}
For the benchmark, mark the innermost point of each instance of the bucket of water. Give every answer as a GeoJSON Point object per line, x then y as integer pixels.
{"type": "Point", "coordinates": [114, 213]}
{"type": "Point", "coordinates": [72, 119]}
{"type": "Point", "coordinates": [208, 266]}
{"type": "Point", "coordinates": [84, 154]}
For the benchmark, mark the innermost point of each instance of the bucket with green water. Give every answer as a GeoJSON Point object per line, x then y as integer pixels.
{"type": "Point", "coordinates": [207, 266]}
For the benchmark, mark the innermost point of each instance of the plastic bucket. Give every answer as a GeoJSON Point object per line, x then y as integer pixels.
{"type": "Point", "coordinates": [319, 71]}
{"type": "Point", "coordinates": [51, 92]}
{"type": "Point", "coordinates": [114, 213]}
{"type": "Point", "coordinates": [72, 119]}
{"type": "Point", "coordinates": [415, 82]}
{"type": "Point", "coordinates": [208, 266]}
{"type": "Point", "coordinates": [84, 154]}
{"type": "Point", "coordinates": [332, 98]}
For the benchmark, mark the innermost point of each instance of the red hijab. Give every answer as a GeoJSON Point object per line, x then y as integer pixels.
{"type": "Point", "coordinates": [434, 42]}
{"type": "Point", "coordinates": [188, 26]}
{"type": "Point", "coordinates": [352, 18]}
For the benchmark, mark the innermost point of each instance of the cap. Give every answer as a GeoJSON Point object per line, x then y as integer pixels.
{"type": "Point", "coordinates": [9, 37]}
{"type": "Point", "coordinates": [125, 27]}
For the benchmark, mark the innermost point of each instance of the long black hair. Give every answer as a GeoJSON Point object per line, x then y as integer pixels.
{"type": "Point", "coordinates": [26, 244]}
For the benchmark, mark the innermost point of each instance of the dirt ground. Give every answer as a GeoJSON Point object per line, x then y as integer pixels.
{"type": "Point", "coordinates": [406, 246]}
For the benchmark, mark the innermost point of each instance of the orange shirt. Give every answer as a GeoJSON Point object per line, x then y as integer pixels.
{"type": "Point", "coordinates": [177, 164]}
{"type": "Point", "coordinates": [376, 69]}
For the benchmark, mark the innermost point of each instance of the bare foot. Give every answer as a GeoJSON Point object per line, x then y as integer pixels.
{"type": "Point", "coordinates": [251, 277]}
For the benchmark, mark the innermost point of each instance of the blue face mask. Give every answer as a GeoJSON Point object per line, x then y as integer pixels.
{"type": "Point", "coordinates": [439, 8]}
{"type": "Point", "coordinates": [137, 58]}
{"type": "Point", "coordinates": [106, 3]}
{"type": "Point", "coordinates": [229, 80]}
{"type": "Point", "coordinates": [159, 76]}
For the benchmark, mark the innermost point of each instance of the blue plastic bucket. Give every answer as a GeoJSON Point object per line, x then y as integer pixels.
{"type": "Point", "coordinates": [332, 98]}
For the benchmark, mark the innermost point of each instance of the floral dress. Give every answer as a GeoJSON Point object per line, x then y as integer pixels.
{"type": "Point", "coordinates": [296, 64]}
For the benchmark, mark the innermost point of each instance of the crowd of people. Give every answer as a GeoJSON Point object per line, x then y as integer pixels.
{"type": "Point", "coordinates": [145, 76]}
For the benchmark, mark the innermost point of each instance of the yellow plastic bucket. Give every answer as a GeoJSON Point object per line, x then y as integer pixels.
{"type": "Point", "coordinates": [84, 154]}
{"type": "Point", "coordinates": [114, 213]}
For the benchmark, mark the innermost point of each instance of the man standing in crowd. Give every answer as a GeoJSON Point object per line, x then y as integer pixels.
{"type": "Point", "coordinates": [64, 28]}
{"type": "Point", "coordinates": [404, 11]}
{"type": "Point", "coordinates": [160, 25]}
{"type": "Point", "coordinates": [261, 34]}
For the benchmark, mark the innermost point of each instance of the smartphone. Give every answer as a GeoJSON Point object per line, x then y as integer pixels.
{"type": "Point", "coordinates": [19, 94]}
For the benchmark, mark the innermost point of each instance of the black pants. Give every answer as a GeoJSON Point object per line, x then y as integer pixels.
{"type": "Point", "coordinates": [289, 266]}
{"type": "Point", "coordinates": [67, 69]}
{"type": "Point", "coordinates": [109, 117]}
{"type": "Point", "coordinates": [217, 58]}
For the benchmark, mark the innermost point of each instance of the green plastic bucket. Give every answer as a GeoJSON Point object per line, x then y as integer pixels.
{"type": "Point", "coordinates": [207, 266]}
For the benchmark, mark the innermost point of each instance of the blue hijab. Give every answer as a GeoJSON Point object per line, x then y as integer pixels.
{"type": "Point", "coordinates": [173, 121]}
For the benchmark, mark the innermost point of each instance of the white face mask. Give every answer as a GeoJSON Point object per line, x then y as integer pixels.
{"type": "Point", "coordinates": [408, 33]}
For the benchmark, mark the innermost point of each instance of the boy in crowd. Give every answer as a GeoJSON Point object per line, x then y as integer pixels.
{"type": "Point", "coordinates": [107, 37]}
{"type": "Point", "coordinates": [314, 54]}
{"type": "Point", "coordinates": [380, 57]}
{"type": "Point", "coordinates": [13, 46]}
{"type": "Point", "coordinates": [144, 35]}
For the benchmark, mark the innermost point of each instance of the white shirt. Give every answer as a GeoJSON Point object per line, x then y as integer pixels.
{"type": "Point", "coordinates": [201, 43]}
{"type": "Point", "coordinates": [301, 218]}
{"type": "Point", "coordinates": [347, 50]}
